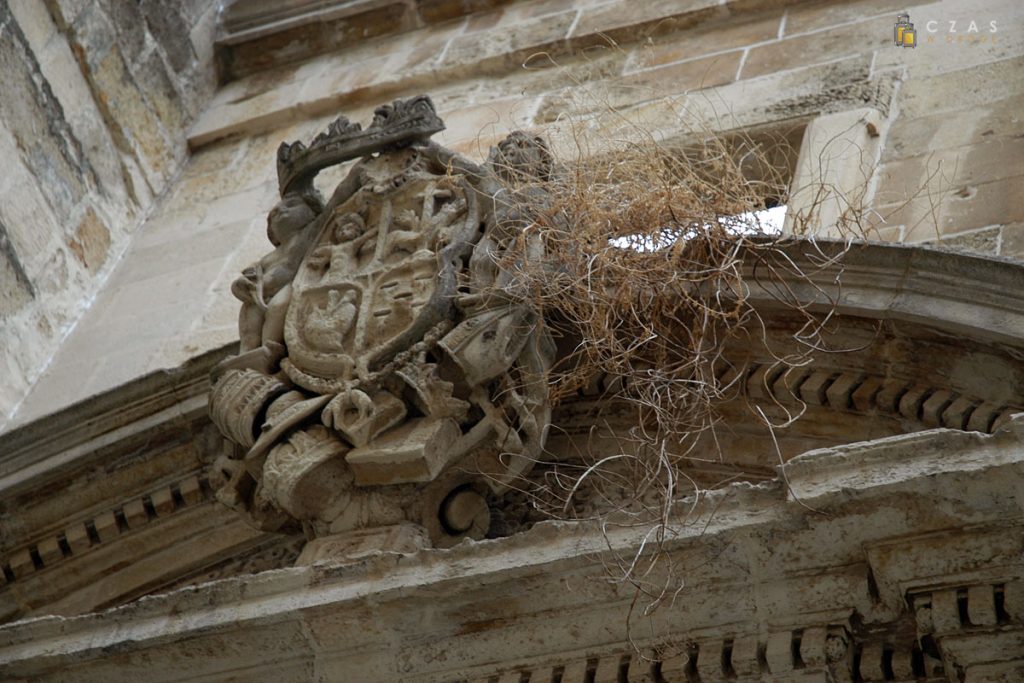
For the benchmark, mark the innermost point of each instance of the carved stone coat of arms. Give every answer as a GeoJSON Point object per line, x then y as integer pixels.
{"type": "Point", "coordinates": [387, 375]}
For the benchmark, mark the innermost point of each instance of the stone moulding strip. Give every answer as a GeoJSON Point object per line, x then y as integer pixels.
{"type": "Point", "coordinates": [976, 297]}
{"type": "Point", "coordinates": [970, 607]}
{"type": "Point", "coordinates": [107, 526]}
{"type": "Point", "coordinates": [162, 399]}
{"type": "Point", "coordinates": [552, 553]}
{"type": "Point", "coordinates": [814, 649]}
{"type": "Point", "coordinates": [854, 391]}
{"type": "Point", "coordinates": [239, 26]}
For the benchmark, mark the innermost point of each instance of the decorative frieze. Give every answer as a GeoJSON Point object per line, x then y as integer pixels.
{"type": "Point", "coordinates": [105, 527]}
{"type": "Point", "coordinates": [855, 569]}
{"type": "Point", "coordinates": [863, 393]}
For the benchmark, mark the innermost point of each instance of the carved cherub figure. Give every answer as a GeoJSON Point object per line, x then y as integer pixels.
{"type": "Point", "coordinates": [350, 233]}
{"type": "Point", "coordinates": [265, 287]}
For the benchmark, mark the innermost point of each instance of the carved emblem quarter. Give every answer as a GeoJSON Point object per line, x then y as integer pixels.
{"type": "Point", "coordinates": [378, 382]}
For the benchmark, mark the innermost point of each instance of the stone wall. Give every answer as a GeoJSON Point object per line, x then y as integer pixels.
{"type": "Point", "coordinates": [620, 67]}
{"type": "Point", "coordinates": [97, 96]}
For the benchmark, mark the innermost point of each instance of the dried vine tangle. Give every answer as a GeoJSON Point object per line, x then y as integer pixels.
{"type": "Point", "coordinates": [648, 249]}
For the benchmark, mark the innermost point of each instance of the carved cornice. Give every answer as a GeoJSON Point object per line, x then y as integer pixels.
{"type": "Point", "coordinates": [103, 426]}
{"type": "Point", "coordinates": [86, 534]}
{"type": "Point", "coordinates": [139, 423]}
{"type": "Point", "coordinates": [978, 298]}
{"type": "Point", "coordinates": [765, 594]}
{"type": "Point", "coordinates": [98, 501]}
{"type": "Point", "coordinates": [930, 406]}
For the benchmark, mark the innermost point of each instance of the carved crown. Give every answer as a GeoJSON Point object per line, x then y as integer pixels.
{"type": "Point", "coordinates": [394, 125]}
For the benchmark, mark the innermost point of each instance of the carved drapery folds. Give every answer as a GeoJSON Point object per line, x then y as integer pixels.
{"type": "Point", "coordinates": [386, 373]}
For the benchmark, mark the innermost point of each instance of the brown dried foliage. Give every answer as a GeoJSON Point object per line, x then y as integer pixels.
{"type": "Point", "coordinates": [646, 279]}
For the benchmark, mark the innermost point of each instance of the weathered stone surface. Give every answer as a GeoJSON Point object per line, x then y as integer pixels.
{"type": "Point", "coordinates": [907, 546]}
{"type": "Point", "coordinates": [342, 610]}
{"type": "Point", "coordinates": [17, 290]}
{"type": "Point", "coordinates": [356, 546]}
{"type": "Point", "coordinates": [77, 121]}
{"type": "Point", "coordinates": [91, 241]}
{"type": "Point", "coordinates": [806, 50]}
{"type": "Point", "coordinates": [738, 33]}
{"type": "Point", "coordinates": [682, 77]}
{"type": "Point", "coordinates": [346, 308]}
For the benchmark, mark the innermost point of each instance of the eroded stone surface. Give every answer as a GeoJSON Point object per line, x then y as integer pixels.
{"type": "Point", "coordinates": [778, 582]}
{"type": "Point", "coordinates": [378, 337]}
{"type": "Point", "coordinates": [940, 564]}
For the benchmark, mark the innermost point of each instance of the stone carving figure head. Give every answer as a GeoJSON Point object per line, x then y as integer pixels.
{"type": "Point", "coordinates": [349, 227]}
{"type": "Point", "coordinates": [296, 209]}
{"type": "Point", "coordinates": [521, 157]}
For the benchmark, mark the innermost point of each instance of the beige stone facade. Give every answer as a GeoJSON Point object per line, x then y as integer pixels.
{"type": "Point", "coordinates": [877, 538]}
{"type": "Point", "coordinates": [946, 167]}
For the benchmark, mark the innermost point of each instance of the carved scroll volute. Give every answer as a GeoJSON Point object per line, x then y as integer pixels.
{"type": "Point", "coordinates": [371, 388]}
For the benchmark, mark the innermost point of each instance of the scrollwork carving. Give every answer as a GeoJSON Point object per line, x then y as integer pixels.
{"type": "Point", "coordinates": [383, 376]}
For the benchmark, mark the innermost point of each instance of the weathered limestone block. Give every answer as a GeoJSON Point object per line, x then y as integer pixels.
{"type": "Point", "coordinates": [710, 663]}
{"type": "Point", "coordinates": [191, 490]}
{"type": "Point", "coordinates": [49, 551]}
{"type": "Point", "coordinates": [106, 526]}
{"type": "Point", "coordinates": [813, 389]}
{"type": "Point", "coordinates": [945, 615]}
{"type": "Point", "coordinates": [837, 156]}
{"type": "Point", "coordinates": [607, 670]}
{"type": "Point", "coordinates": [135, 513]}
{"type": "Point", "coordinates": [863, 397]}
{"type": "Point", "coordinates": [813, 647]}
{"type": "Point", "coordinates": [871, 668]}
{"type": "Point", "coordinates": [744, 659]}
{"type": "Point", "coordinates": [903, 662]}
{"type": "Point", "coordinates": [21, 563]}
{"type": "Point", "coordinates": [779, 652]}
{"type": "Point", "coordinates": [575, 672]}
{"type": "Point", "coordinates": [77, 537]}
{"type": "Point", "coordinates": [957, 413]}
{"type": "Point", "coordinates": [163, 502]}
{"type": "Point", "coordinates": [981, 606]}
{"type": "Point", "coordinates": [676, 667]}
{"type": "Point", "coordinates": [840, 392]}
{"type": "Point", "coordinates": [1013, 599]}
{"type": "Point", "coordinates": [641, 667]}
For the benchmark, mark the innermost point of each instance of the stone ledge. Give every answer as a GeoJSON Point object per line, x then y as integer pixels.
{"type": "Point", "coordinates": [553, 580]}
{"type": "Point", "coordinates": [252, 106]}
{"type": "Point", "coordinates": [166, 396]}
{"type": "Point", "coordinates": [256, 34]}
{"type": "Point", "coordinates": [976, 297]}
{"type": "Point", "coordinates": [815, 476]}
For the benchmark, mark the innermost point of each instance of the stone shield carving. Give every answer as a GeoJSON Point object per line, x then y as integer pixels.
{"type": "Point", "coordinates": [387, 372]}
